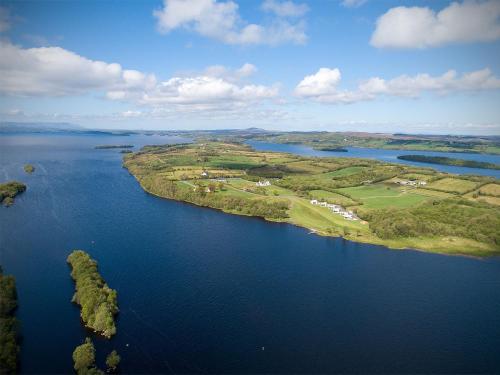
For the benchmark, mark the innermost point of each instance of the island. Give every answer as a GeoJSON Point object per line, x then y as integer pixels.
{"type": "Point", "coordinates": [330, 148]}
{"type": "Point", "coordinates": [97, 300]}
{"type": "Point", "coordinates": [9, 346]}
{"type": "Point", "coordinates": [104, 147]}
{"type": "Point", "coordinates": [29, 168]}
{"type": "Point", "coordinates": [362, 200]}
{"type": "Point", "coordinates": [84, 359]}
{"type": "Point", "coordinates": [449, 161]}
{"type": "Point", "coordinates": [9, 190]}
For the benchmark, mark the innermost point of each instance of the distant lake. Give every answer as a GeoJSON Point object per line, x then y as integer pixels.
{"type": "Point", "coordinates": [390, 156]}
{"type": "Point", "coordinates": [201, 291]}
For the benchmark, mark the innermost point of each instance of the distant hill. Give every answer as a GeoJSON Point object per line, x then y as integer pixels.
{"type": "Point", "coordinates": [47, 127]}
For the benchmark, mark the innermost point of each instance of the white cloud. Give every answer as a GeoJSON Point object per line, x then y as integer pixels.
{"type": "Point", "coordinates": [285, 8]}
{"type": "Point", "coordinates": [131, 113]}
{"type": "Point", "coordinates": [206, 91]}
{"type": "Point", "coordinates": [323, 86]}
{"type": "Point", "coordinates": [220, 20]}
{"type": "Point", "coordinates": [419, 27]}
{"type": "Point", "coordinates": [353, 3]}
{"type": "Point", "coordinates": [54, 71]}
{"type": "Point", "coordinates": [232, 75]}
{"type": "Point", "coordinates": [5, 19]}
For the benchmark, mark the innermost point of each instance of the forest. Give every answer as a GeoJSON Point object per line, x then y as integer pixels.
{"type": "Point", "coordinates": [9, 190]}
{"type": "Point", "coordinates": [9, 347]}
{"type": "Point", "coordinates": [97, 300]}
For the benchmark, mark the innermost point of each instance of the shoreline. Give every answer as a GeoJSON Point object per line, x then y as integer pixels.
{"type": "Point", "coordinates": [324, 234]}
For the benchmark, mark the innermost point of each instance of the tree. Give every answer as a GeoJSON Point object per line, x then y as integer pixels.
{"type": "Point", "coordinates": [84, 356]}
{"type": "Point", "coordinates": [113, 360]}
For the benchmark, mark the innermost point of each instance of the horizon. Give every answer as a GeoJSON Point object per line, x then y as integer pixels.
{"type": "Point", "coordinates": [427, 67]}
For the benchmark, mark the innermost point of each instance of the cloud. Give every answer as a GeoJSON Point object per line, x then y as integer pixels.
{"type": "Point", "coordinates": [206, 91]}
{"type": "Point", "coordinates": [54, 71]}
{"type": "Point", "coordinates": [220, 20]}
{"type": "Point", "coordinates": [419, 27]}
{"type": "Point", "coordinates": [232, 75]}
{"type": "Point", "coordinates": [323, 86]}
{"type": "Point", "coordinates": [5, 19]}
{"type": "Point", "coordinates": [285, 8]}
{"type": "Point", "coordinates": [353, 3]}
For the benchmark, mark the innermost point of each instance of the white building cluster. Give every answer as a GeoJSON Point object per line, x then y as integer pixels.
{"type": "Point", "coordinates": [346, 214]}
{"type": "Point", "coordinates": [263, 183]}
{"type": "Point", "coordinates": [411, 183]}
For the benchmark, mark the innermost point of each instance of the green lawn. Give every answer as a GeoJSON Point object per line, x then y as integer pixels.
{"type": "Point", "coordinates": [381, 196]}
{"type": "Point", "coordinates": [322, 219]}
{"type": "Point", "coordinates": [454, 185]}
{"type": "Point", "coordinates": [345, 171]}
{"type": "Point", "coordinates": [370, 191]}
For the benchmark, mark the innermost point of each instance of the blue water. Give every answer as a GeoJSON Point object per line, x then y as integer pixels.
{"type": "Point", "coordinates": [201, 291]}
{"type": "Point", "coordinates": [390, 156]}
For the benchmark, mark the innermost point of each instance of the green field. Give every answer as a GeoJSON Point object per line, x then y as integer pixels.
{"type": "Point", "coordinates": [453, 185]}
{"type": "Point", "coordinates": [382, 196]}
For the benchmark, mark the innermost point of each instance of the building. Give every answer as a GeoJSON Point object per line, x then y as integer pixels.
{"type": "Point", "coordinates": [204, 174]}
{"type": "Point", "coordinates": [263, 183]}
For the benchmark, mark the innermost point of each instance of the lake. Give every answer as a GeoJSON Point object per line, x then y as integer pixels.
{"type": "Point", "coordinates": [390, 156]}
{"type": "Point", "coordinates": [201, 291]}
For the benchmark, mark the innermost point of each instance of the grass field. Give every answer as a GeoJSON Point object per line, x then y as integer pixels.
{"type": "Point", "coordinates": [453, 185]}
{"type": "Point", "coordinates": [382, 196]}
{"type": "Point", "coordinates": [490, 189]}
{"type": "Point", "coordinates": [332, 197]}
{"type": "Point", "coordinates": [304, 214]}
{"type": "Point", "coordinates": [370, 191]}
{"type": "Point", "coordinates": [345, 171]}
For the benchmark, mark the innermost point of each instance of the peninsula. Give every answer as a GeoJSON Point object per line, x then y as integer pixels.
{"type": "Point", "coordinates": [449, 161]}
{"type": "Point", "coordinates": [362, 200]}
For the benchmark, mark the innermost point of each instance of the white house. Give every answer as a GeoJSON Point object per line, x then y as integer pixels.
{"type": "Point", "coordinates": [314, 201]}
{"type": "Point", "coordinates": [204, 174]}
{"type": "Point", "coordinates": [263, 183]}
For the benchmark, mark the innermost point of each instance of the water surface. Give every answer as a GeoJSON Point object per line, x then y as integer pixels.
{"type": "Point", "coordinates": [390, 156]}
{"type": "Point", "coordinates": [202, 291]}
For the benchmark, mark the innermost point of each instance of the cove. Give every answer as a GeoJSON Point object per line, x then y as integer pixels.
{"type": "Point", "coordinates": [203, 291]}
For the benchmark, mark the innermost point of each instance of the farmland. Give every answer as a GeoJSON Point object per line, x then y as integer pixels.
{"type": "Point", "coordinates": [394, 205]}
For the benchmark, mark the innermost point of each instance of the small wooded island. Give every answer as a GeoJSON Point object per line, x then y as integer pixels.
{"type": "Point", "coordinates": [359, 199]}
{"type": "Point", "coordinates": [9, 190]}
{"type": "Point", "coordinates": [85, 361]}
{"type": "Point", "coordinates": [29, 168]}
{"type": "Point", "coordinates": [97, 300]}
{"type": "Point", "coordinates": [449, 161]}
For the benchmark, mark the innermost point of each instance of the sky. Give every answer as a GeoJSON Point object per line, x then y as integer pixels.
{"type": "Point", "coordinates": [358, 65]}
